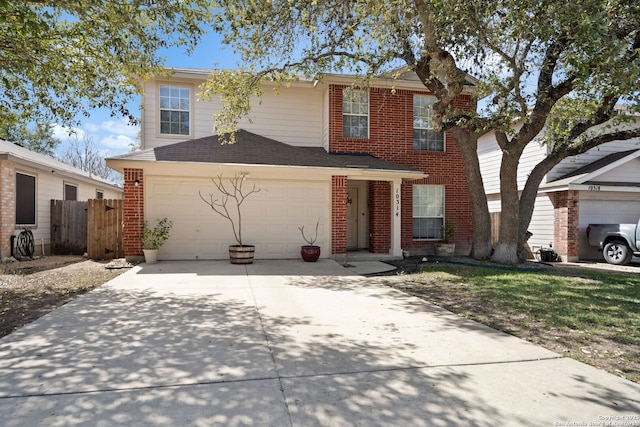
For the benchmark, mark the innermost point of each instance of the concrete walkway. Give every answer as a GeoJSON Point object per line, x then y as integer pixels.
{"type": "Point", "coordinates": [286, 343]}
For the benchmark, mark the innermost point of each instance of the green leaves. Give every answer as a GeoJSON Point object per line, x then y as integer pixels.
{"type": "Point", "coordinates": [59, 58]}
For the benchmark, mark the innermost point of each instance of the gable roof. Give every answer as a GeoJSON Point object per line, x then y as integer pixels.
{"type": "Point", "coordinates": [252, 149]}
{"type": "Point", "coordinates": [588, 172]}
{"type": "Point", "coordinates": [16, 153]}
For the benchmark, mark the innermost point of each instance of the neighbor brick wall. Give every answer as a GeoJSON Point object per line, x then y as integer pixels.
{"type": "Point", "coordinates": [338, 214]}
{"type": "Point", "coordinates": [133, 213]}
{"type": "Point", "coordinates": [7, 206]}
{"type": "Point", "coordinates": [391, 139]}
{"type": "Point", "coordinates": [566, 224]}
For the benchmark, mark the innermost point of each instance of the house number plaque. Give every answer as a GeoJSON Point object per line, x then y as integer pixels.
{"type": "Point", "coordinates": [397, 202]}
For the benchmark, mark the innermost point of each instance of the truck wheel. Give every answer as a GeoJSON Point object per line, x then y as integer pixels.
{"type": "Point", "coordinates": [617, 252]}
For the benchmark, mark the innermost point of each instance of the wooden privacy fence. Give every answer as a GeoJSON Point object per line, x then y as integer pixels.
{"type": "Point", "coordinates": [495, 227]}
{"type": "Point", "coordinates": [94, 227]}
{"type": "Point", "coordinates": [105, 229]}
{"type": "Point", "coordinates": [68, 227]}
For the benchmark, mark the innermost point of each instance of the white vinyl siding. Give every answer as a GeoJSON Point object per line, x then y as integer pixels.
{"type": "Point", "coordinates": [293, 116]}
{"type": "Point", "coordinates": [424, 137]}
{"type": "Point", "coordinates": [626, 173]}
{"type": "Point", "coordinates": [490, 157]}
{"type": "Point", "coordinates": [355, 114]}
{"type": "Point", "coordinates": [175, 110]}
{"type": "Point", "coordinates": [428, 211]}
{"type": "Point", "coordinates": [541, 225]}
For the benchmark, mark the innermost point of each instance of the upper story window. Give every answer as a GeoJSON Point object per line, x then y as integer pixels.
{"type": "Point", "coordinates": [99, 194]}
{"type": "Point", "coordinates": [25, 199]}
{"type": "Point", "coordinates": [428, 211]}
{"type": "Point", "coordinates": [424, 138]}
{"type": "Point", "coordinates": [175, 109]}
{"type": "Point", "coordinates": [355, 114]}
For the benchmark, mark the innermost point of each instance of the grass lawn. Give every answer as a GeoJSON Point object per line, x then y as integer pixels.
{"type": "Point", "coordinates": [591, 316]}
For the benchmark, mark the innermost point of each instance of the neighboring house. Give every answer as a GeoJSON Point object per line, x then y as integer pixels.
{"type": "Point", "coordinates": [29, 181]}
{"type": "Point", "coordinates": [365, 163]}
{"type": "Point", "coordinates": [599, 186]}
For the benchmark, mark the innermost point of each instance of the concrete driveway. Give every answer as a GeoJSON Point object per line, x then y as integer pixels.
{"type": "Point", "coordinates": [286, 343]}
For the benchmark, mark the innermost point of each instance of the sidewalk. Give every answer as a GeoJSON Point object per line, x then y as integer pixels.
{"type": "Point", "coordinates": [286, 343]}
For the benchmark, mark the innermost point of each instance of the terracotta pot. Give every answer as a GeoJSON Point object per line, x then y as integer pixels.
{"type": "Point", "coordinates": [310, 253]}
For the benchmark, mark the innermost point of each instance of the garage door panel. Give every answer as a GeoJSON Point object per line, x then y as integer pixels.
{"type": "Point", "coordinates": [270, 217]}
{"type": "Point", "coordinates": [604, 208]}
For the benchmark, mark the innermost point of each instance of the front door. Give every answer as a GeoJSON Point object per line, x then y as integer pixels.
{"type": "Point", "coordinates": [352, 218]}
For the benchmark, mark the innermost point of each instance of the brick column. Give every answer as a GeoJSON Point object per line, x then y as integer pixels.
{"type": "Point", "coordinates": [133, 213]}
{"type": "Point", "coordinates": [338, 214]}
{"type": "Point", "coordinates": [7, 206]}
{"type": "Point", "coordinates": [565, 224]}
{"type": "Point", "coordinates": [379, 217]}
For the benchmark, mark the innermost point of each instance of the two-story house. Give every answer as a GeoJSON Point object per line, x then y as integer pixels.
{"type": "Point", "coordinates": [599, 186]}
{"type": "Point", "coordinates": [365, 163]}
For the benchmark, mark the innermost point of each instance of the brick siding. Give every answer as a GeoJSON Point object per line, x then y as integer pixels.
{"type": "Point", "coordinates": [566, 224]}
{"type": "Point", "coordinates": [391, 139]}
{"type": "Point", "coordinates": [133, 212]}
{"type": "Point", "coordinates": [7, 206]}
{"type": "Point", "coordinates": [338, 214]}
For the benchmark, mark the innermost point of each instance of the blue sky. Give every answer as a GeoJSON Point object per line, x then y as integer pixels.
{"type": "Point", "coordinates": [113, 135]}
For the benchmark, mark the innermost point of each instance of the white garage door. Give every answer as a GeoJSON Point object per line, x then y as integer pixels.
{"type": "Point", "coordinates": [270, 218]}
{"type": "Point", "coordinates": [605, 208]}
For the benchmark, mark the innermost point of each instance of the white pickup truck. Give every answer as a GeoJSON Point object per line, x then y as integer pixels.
{"type": "Point", "coordinates": [618, 242]}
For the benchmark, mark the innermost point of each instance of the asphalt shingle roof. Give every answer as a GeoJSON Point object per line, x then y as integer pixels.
{"type": "Point", "coordinates": [255, 149]}
{"type": "Point", "coordinates": [598, 164]}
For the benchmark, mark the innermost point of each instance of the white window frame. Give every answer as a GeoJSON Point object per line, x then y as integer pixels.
{"type": "Point", "coordinates": [428, 209]}
{"type": "Point", "coordinates": [99, 194]}
{"type": "Point", "coordinates": [176, 106]}
{"type": "Point", "coordinates": [35, 200]}
{"type": "Point", "coordinates": [425, 122]}
{"type": "Point", "coordinates": [353, 106]}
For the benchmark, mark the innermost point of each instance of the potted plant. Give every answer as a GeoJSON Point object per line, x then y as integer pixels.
{"type": "Point", "coordinates": [154, 237]}
{"type": "Point", "coordinates": [310, 252]}
{"type": "Point", "coordinates": [446, 248]}
{"type": "Point", "coordinates": [235, 195]}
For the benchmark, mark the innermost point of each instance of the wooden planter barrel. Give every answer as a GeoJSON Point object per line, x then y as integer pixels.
{"type": "Point", "coordinates": [241, 254]}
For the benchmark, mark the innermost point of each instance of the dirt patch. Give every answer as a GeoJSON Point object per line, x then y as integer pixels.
{"type": "Point", "coordinates": [31, 288]}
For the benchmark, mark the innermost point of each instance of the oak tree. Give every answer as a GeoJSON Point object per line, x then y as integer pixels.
{"type": "Point", "coordinates": [62, 58]}
{"type": "Point", "coordinates": [557, 69]}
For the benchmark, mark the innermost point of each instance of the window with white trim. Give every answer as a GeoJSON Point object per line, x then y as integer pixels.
{"type": "Point", "coordinates": [428, 211]}
{"type": "Point", "coordinates": [99, 194]}
{"type": "Point", "coordinates": [424, 138]}
{"type": "Point", "coordinates": [25, 199]}
{"type": "Point", "coordinates": [355, 114]}
{"type": "Point", "coordinates": [175, 110]}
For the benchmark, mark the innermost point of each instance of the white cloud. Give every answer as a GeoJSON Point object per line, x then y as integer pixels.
{"type": "Point", "coordinates": [117, 143]}
{"type": "Point", "coordinates": [120, 127]}
{"type": "Point", "coordinates": [63, 133]}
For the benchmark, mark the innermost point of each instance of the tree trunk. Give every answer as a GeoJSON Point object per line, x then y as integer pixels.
{"type": "Point", "coordinates": [507, 248]}
{"type": "Point", "coordinates": [526, 207]}
{"type": "Point", "coordinates": [467, 144]}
